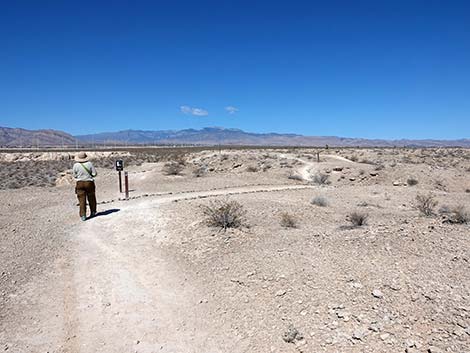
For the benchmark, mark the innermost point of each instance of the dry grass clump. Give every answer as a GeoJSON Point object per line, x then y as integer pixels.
{"type": "Point", "coordinates": [200, 171]}
{"type": "Point", "coordinates": [321, 179]}
{"type": "Point", "coordinates": [319, 201]}
{"type": "Point", "coordinates": [288, 220]}
{"type": "Point", "coordinates": [426, 204]}
{"type": "Point", "coordinates": [172, 168]}
{"type": "Point", "coordinates": [224, 214]}
{"type": "Point", "coordinates": [459, 215]}
{"type": "Point", "coordinates": [358, 219]}
{"type": "Point", "coordinates": [412, 181]}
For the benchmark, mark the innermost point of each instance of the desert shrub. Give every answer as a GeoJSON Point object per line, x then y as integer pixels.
{"type": "Point", "coordinates": [444, 209]}
{"type": "Point", "coordinates": [459, 215]}
{"type": "Point", "coordinates": [412, 181]}
{"type": "Point", "coordinates": [295, 176]}
{"type": "Point", "coordinates": [224, 214]}
{"type": "Point", "coordinates": [252, 168]}
{"type": "Point", "coordinates": [321, 179]}
{"type": "Point", "coordinates": [426, 204]}
{"type": "Point", "coordinates": [266, 167]}
{"type": "Point", "coordinates": [379, 167]}
{"type": "Point", "coordinates": [319, 201]}
{"type": "Point", "coordinates": [358, 219]}
{"type": "Point", "coordinates": [288, 220]}
{"type": "Point", "coordinates": [200, 171]}
{"type": "Point", "coordinates": [354, 158]}
{"type": "Point", "coordinates": [172, 168]}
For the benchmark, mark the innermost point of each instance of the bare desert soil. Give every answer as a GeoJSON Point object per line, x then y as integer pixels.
{"type": "Point", "coordinates": [149, 274]}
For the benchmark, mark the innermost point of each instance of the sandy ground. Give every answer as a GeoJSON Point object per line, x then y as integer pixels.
{"type": "Point", "coordinates": [149, 275]}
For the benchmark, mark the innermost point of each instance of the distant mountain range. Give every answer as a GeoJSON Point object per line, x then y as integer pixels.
{"type": "Point", "coordinates": [10, 137]}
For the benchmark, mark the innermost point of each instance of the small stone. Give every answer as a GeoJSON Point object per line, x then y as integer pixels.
{"type": "Point", "coordinates": [396, 183]}
{"type": "Point", "coordinates": [280, 292]}
{"type": "Point", "coordinates": [377, 293]}
{"type": "Point", "coordinates": [292, 334]}
{"type": "Point", "coordinates": [384, 336]}
{"type": "Point", "coordinates": [358, 335]}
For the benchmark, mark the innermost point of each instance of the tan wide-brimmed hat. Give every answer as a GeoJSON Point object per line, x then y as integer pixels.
{"type": "Point", "coordinates": [81, 157]}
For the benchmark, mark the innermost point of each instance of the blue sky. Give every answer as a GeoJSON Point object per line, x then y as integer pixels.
{"type": "Point", "coordinates": [385, 69]}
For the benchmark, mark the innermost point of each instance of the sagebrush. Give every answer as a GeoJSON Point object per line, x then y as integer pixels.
{"type": "Point", "coordinates": [426, 203]}
{"type": "Point", "coordinates": [172, 168]}
{"type": "Point", "coordinates": [224, 214]}
{"type": "Point", "coordinates": [358, 219]}
{"type": "Point", "coordinates": [321, 179]}
{"type": "Point", "coordinates": [319, 201]}
{"type": "Point", "coordinates": [288, 220]}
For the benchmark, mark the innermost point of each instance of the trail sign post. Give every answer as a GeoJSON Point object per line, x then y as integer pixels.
{"type": "Point", "coordinates": [120, 168]}
{"type": "Point", "coordinates": [126, 182]}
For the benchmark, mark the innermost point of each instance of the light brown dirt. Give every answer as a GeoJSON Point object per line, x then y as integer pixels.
{"type": "Point", "coordinates": [150, 276]}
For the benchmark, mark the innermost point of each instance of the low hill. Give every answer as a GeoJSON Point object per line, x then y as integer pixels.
{"type": "Point", "coordinates": [16, 137]}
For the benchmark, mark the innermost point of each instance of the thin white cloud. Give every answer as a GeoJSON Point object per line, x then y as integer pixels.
{"type": "Point", "coordinates": [231, 110]}
{"type": "Point", "coordinates": [193, 111]}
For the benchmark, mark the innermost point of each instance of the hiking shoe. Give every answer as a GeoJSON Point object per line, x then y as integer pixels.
{"type": "Point", "coordinates": [83, 218]}
{"type": "Point", "coordinates": [93, 214]}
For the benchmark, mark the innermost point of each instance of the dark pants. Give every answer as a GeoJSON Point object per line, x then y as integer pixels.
{"type": "Point", "coordinates": [86, 190]}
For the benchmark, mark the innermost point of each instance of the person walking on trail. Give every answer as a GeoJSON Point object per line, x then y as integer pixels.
{"type": "Point", "coordinates": [84, 173]}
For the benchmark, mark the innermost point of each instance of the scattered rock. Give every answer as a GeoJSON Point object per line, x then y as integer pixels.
{"type": "Point", "coordinates": [292, 334]}
{"type": "Point", "coordinates": [359, 335]}
{"type": "Point", "coordinates": [377, 293]}
{"type": "Point", "coordinates": [281, 292]}
{"type": "Point", "coordinates": [384, 336]}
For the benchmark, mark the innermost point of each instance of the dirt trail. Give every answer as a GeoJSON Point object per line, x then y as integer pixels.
{"type": "Point", "coordinates": [129, 295]}
{"type": "Point", "coordinates": [119, 291]}
{"type": "Point", "coordinates": [310, 168]}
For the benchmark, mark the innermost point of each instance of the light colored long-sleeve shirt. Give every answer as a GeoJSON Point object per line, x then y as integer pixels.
{"type": "Point", "coordinates": [81, 174]}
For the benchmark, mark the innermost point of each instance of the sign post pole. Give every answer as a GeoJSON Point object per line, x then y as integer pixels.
{"type": "Point", "coordinates": [120, 182]}
{"type": "Point", "coordinates": [126, 184]}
